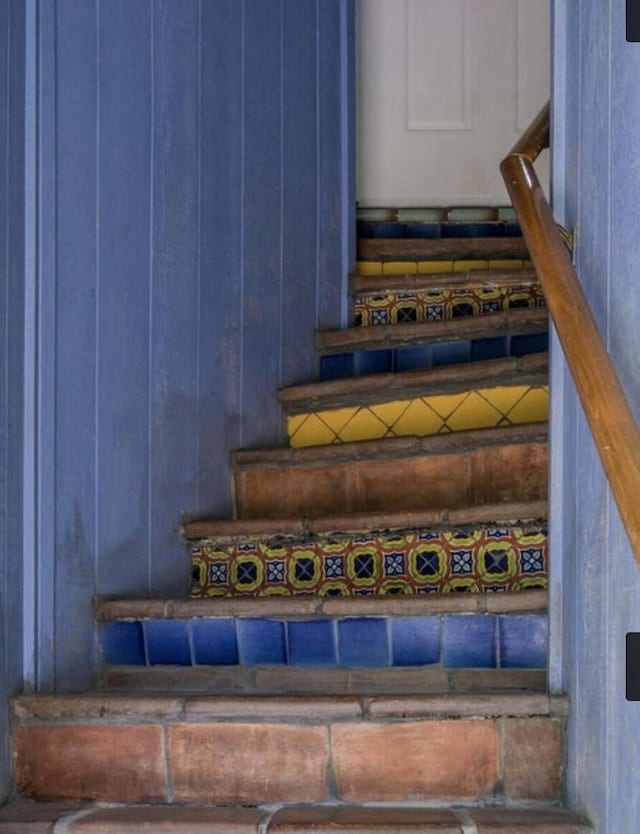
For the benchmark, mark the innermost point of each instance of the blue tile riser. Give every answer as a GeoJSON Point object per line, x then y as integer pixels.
{"type": "Point", "coordinates": [489, 641]}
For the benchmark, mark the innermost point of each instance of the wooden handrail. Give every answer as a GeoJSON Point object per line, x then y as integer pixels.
{"type": "Point", "coordinates": [610, 419]}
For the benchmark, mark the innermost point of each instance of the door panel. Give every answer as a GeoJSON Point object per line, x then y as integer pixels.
{"type": "Point", "coordinates": [444, 89]}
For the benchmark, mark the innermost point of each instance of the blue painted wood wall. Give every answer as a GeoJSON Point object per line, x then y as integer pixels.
{"type": "Point", "coordinates": [596, 582]}
{"type": "Point", "coordinates": [197, 202]}
{"type": "Point", "coordinates": [11, 362]}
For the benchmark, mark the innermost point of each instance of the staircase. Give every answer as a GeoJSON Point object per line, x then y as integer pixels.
{"type": "Point", "coordinates": [364, 645]}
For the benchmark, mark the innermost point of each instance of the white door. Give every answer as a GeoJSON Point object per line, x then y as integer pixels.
{"type": "Point", "coordinates": [445, 87]}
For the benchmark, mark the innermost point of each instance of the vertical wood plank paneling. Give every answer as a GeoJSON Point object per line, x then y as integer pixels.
{"type": "Point", "coordinates": [76, 422]}
{"type": "Point", "coordinates": [7, 478]}
{"type": "Point", "coordinates": [299, 189]}
{"type": "Point", "coordinates": [330, 281]}
{"type": "Point", "coordinates": [601, 125]}
{"type": "Point", "coordinates": [173, 404]}
{"type": "Point", "coordinates": [261, 221]}
{"type": "Point", "coordinates": [220, 248]}
{"type": "Point", "coordinates": [12, 79]}
{"type": "Point", "coordinates": [126, 92]}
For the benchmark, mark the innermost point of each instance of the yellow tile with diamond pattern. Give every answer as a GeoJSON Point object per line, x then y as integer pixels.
{"type": "Point", "coordinates": [422, 416]}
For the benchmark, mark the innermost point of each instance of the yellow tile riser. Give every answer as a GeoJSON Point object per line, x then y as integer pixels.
{"type": "Point", "coordinates": [435, 267]}
{"type": "Point", "coordinates": [422, 416]}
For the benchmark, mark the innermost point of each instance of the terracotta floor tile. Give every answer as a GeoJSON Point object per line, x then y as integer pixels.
{"type": "Point", "coordinates": [442, 760]}
{"type": "Point", "coordinates": [533, 758]}
{"type": "Point", "coordinates": [359, 820]}
{"type": "Point", "coordinates": [248, 763]}
{"type": "Point", "coordinates": [157, 819]}
{"type": "Point", "coordinates": [116, 763]}
{"type": "Point", "coordinates": [410, 484]}
{"type": "Point", "coordinates": [509, 473]}
{"type": "Point", "coordinates": [308, 491]}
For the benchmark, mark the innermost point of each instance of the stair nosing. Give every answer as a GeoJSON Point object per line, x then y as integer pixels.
{"type": "Point", "coordinates": [393, 447]}
{"type": "Point", "coordinates": [531, 369]}
{"type": "Point", "coordinates": [388, 336]}
{"type": "Point", "coordinates": [364, 285]}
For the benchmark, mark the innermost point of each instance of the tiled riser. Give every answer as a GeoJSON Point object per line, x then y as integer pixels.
{"type": "Point", "coordinates": [484, 475]}
{"type": "Point", "coordinates": [192, 758]}
{"type": "Point", "coordinates": [407, 563]}
{"type": "Point", "coordinates": [435, 230]}
{"type": "Point", "coordinates": [413, 265]}
{"type": "Point", "coordinates": [344, 365]}
{"type": "Point", "coordinates": [453, 641]}
{"type": "Point", "coordinates": [435, 305]}
{"type": "Point", "coordinates": [423, 416]}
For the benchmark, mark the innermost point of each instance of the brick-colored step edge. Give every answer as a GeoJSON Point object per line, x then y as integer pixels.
{"type": "Point", "coordinates": [441, 249]}
{"type": "Point", "coordinates": [288, 680]}
{"type": "Point", "coordinates": [367, 522]}
{"type": "Point", "coordinates": [379, 337]}
{"type": "Point", "coordinates": [406, 385]}
{"type": "Point", "coordinates": [252, 751]}
{"type": "Point", "coordinates": [38, 818]}
{"type": "Point", "coordinates": [105, 707]}
{"type": "Point", "coordinates": [393, 447]}
{"type": "Point", "coordinates": [473, 279]}
{"type": "Point", "coordinates": [109, 610]}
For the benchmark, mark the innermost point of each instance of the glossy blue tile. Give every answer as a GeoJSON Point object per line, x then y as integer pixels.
{"type": "Point", "coordinates": [167, 642]}
{"type": "Point", "coordinates": [495, 348]}
{"type": "Point", "coordinates": [430, 231]}
{"type": "Point", "coordinates": [214, 642]}
{"type": "Point", "coordinates": [459, 230]}
{"type": "Point", "coordinates": [469, 641]}
{"type": "Point", "coordinates": [363, 642]}
{"type": "Point", "coordinates": [123, 644]}
{"type": "Point", "coordinates": [512, 229]}
{"type": "Point", "coordinates": [534, 343]}
{"type": "Point", "coordinates": [415, 641]}
{"type": "Point", "coordinates": [366, 229]}
{"type": "Point", "coordinates": [261, 641]}
{"type": "Point", "coordinates": [451, 353]}
{"type": "Point", "coordinates": [372, 362]}
{"type": "Point", "coordinates": [336, 366]}
{"type": "Point", "coordinates": [523, 641]}
{"type": "Point", "coordinates": [390, 230]}
{"type": "Point", "coordinates": [416, 357]}
{"type": "Point", "coordinates": [312, 643]}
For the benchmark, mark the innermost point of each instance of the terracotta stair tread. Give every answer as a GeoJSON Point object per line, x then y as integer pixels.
{"type": "Point", "coordinates": [274, 680]}
{"type": "Point", "coordinates": [471, 279]}
{"type": "Point", "coordinates": [376, 249]}
{"type": "Point", "coordinates": [107, 707]}
{"type": "Point", "coordinates": [40, 818]}
{"type": "Point", "coordinates": [378, 337]}
{"type": "Point", "coordinates": [108, 610]}
{"type": "Point", "coordinates": [387, 387]}
{"type": "Point", "coordinates": [393, 447]}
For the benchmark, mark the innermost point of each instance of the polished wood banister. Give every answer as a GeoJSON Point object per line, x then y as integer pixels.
{"type": "Point", "coordinates": [610, 418]}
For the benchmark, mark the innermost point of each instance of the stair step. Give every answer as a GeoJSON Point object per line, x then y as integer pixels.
{"type": "Point", "coordinates": [443, 249]}
{"type": "Point", "coordinates": [531, 370]}
{"type": "Point", "coordinates": [251, 751]}
{"type": "Point", "coordinates": [468, 227]}
{"type": "Point", "coordinates": [377, 337]}
{"type": "Point", "coordinates": [296, 680]}
{"type": "Point", "coordinates": [503, 630]}
{"type": "Point", "coordinates": [456, 470]}
{"type": "Point", "coordinates": [40, 818]}
{"type": "Point", "coordinates": [474, 279]}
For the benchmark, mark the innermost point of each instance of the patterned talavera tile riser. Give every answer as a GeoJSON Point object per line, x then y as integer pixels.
{"type": "Point", "coordinates": [484, 641]}
{"type": "Point", "coordinates": [491, 559]}
{"type": "Point", "coordinates": [438, 305]}
{"type": "Point", "coordinates": [423, 416]}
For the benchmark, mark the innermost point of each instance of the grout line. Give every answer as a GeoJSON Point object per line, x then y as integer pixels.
{"type": "Point", "coordinates": [167, 759]}
{"type": "Point", "coordinates": [269, 812]}
{"type": "Point", "coordinates": [62, 825]}
{"type": "Point", "coordinates": [465, 820]}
